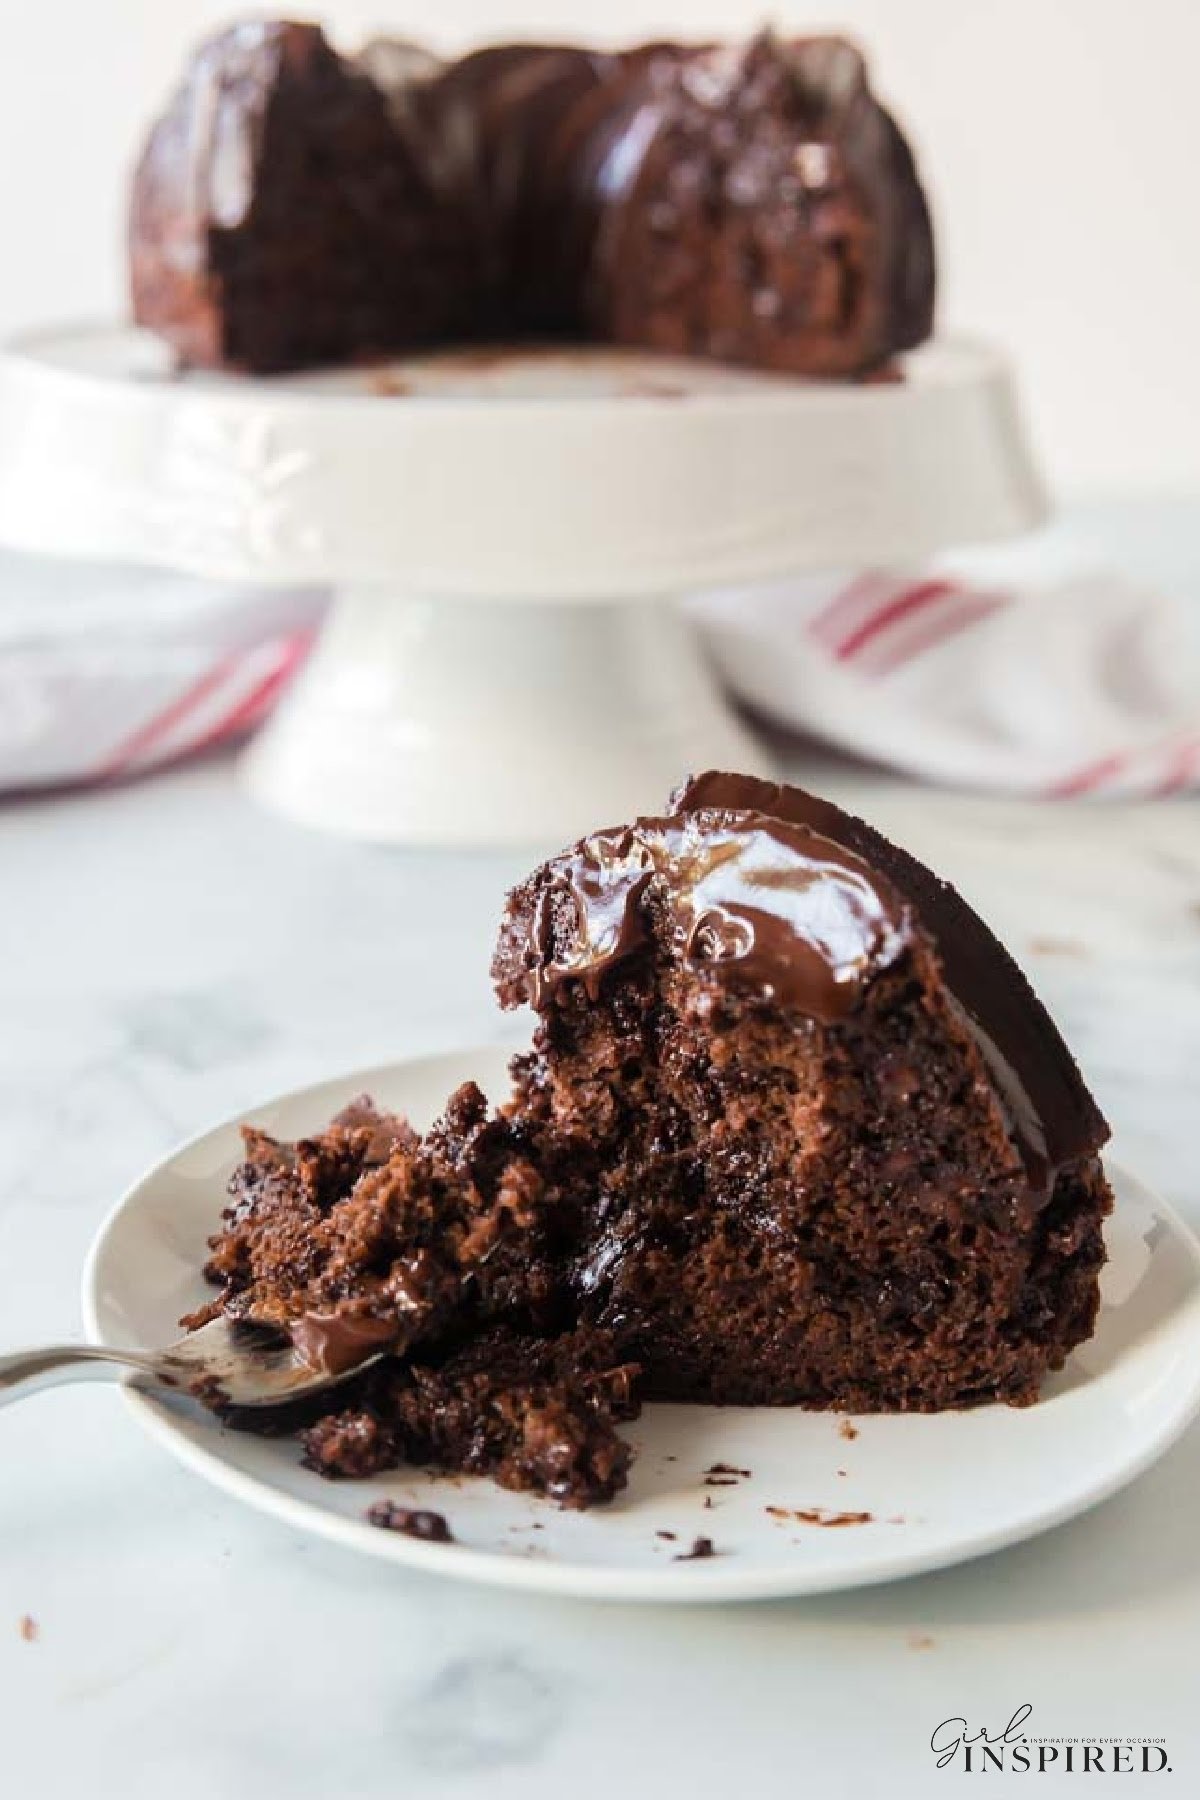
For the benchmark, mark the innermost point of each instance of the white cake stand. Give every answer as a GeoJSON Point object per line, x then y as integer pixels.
{"type": "Point", "coordinates": [506, 534]}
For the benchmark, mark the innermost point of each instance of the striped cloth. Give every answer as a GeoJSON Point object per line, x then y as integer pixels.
{"type": "Point", "coordinates": [107, 673]}
{"type": "Point", "coordinates": [1084, 687]}
{"type": "Point", "coordinates": [1088, 686]}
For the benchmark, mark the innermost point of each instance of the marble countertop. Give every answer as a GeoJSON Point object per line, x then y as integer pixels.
{"type": "Point", "coordinates": [170, 955]}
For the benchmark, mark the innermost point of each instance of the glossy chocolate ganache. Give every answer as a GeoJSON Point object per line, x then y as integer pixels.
{"type": "Point", "coordinates": [792, 1129]}
{"type": "Point", "coordinates": [776, 891]}
{"type": "Point", "coordinates": [751, 900]}
{"type": "Point", "coordinates": [749, 202]}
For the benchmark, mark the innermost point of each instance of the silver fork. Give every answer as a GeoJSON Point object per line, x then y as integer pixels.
{"type": "Point", "coordinates": [225, 1363]}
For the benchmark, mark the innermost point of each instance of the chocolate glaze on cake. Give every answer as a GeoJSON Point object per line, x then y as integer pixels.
{"type": "Point", "coordinates": [753, 203]}
{"type": "Point", "coordinates": [801, 900]}
{"type": "Point", "coordinates": [793, 1129]}
{"type": "Point", "coordinates": [751, 900]}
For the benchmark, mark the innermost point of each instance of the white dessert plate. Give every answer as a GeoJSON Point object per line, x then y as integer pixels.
{"type": "Point", "coordinates": [818, 1502]}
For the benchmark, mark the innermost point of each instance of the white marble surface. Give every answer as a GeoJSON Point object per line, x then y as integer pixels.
{"type": "Point", "coordinates": [169, 954]}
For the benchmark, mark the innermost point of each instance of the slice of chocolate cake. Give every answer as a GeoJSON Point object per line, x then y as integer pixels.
{"type": "Point", "coordinates": [794, 1129]}
{"type": "Point", "coordinates": [832, 1148]}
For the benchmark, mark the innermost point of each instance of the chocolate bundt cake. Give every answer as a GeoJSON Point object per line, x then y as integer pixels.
{"type": "Point", "coordinates": [756, 204]}
{"type": "Point", "coordinates": [794, 1129]}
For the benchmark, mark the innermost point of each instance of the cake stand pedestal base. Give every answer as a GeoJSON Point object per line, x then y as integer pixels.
{"type": "Point", "coordinates": [456, 722]}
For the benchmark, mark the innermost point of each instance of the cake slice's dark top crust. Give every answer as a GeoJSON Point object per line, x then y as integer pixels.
{"type": "Point", "coordinates": [1053, 1114]}
{"type": "Point", "coordinates": [756, 902]}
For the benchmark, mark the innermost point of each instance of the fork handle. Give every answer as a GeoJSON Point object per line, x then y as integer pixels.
{"type": "Point", "coordinates": [30, 1371]}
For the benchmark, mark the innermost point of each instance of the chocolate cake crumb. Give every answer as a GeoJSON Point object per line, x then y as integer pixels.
{"type": "Point", "coordinates": [819, 1515]}
{"type": "Point", "coordinates": [28, 1628]}
{"type": "Point", "coordinates": [535, 1414]}
{"type": "Point", "coordinates": [411, 1521]}
{"type": "Point", "coordinates": [702, 1547]}
{"type": "Point", "coordinates": [847, 1430]}
{"type": "Point", "coordinates": [720, 1468]}
{"type": "Point", "coordinates": [670, 1535]}
{"type": "Point", "coordinates": [720, 1481]}
{"type": "Point", "coordinates": [708, 1500]}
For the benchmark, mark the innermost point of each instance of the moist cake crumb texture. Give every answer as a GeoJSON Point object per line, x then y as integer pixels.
{"type": "Point", "coordinates": [793, 1130]}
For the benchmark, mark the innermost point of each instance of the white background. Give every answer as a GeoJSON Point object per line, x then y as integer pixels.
{"type": "Point", "coordinates": [1061, 140]}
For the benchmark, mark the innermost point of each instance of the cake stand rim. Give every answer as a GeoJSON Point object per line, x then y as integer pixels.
{"type": "Point", "coordinates": [751, 388]}
{"type": "Point", "coordinates": [588, 498]}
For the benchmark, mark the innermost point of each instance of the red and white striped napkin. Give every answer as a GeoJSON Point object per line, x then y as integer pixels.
{"type": "Point", "coordinates": [109, 672]}
{"type": "Point", "coordinates": [1086, 686]}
